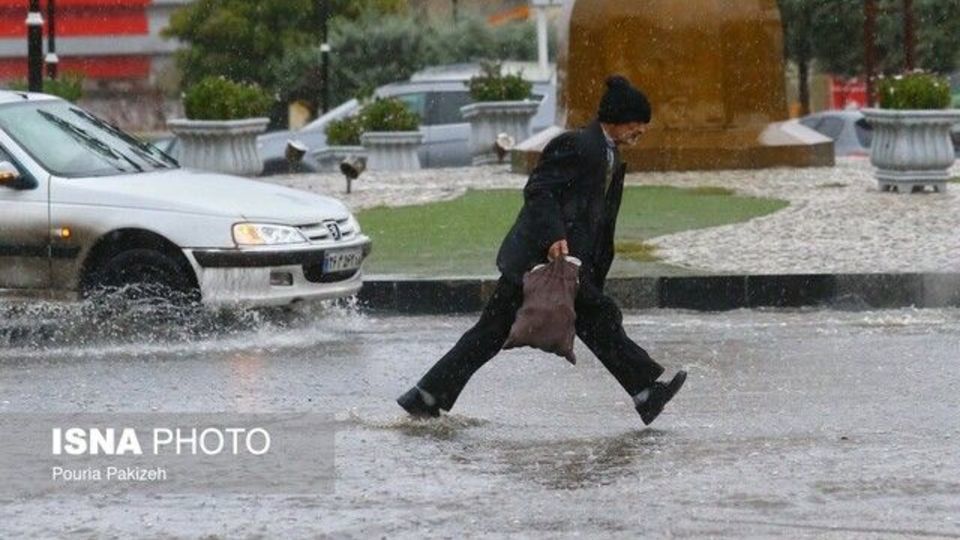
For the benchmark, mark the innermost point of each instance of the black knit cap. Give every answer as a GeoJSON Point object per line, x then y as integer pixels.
{"type": "Point", "coordinates": [623, 103]}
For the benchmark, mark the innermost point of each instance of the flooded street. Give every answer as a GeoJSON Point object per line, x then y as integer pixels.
{"type": "Point", "coordinates": [797, 424]}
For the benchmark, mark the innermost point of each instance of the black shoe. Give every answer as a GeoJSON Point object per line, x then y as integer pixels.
{"type": "Point", "coordinates": [413, 403]}
{"type": "Point", "coordinates": [658, 396]}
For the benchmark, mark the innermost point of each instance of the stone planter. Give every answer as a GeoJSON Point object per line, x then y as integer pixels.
{"type": "Point", "coordinates": [490, 119]}
{"type": "Point", "coordinates": [329, 158]}
{"type": "Point", "coordinates": [392, 150]}
{"type": "Point", "coordinates": [226, 146]}
{"type": "Point", "coordinates": [912, 149]}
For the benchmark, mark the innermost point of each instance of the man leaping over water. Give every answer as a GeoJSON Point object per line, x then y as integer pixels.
{"type": "Point", "coordinates": [571, 203]}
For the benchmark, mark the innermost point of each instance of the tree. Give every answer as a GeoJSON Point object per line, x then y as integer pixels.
{"type": "Point", "coordinates": [830, 33]}
{"type": "Point", "coordinates": [238, 39]}
{"type": "Point", "coordinates": [354, 9]}
{"type": "Point", "coordinates": [245, 39]}
{"type": "Point", "coordinates": [375, 50]}
{"type": "Point", "coordinates": [798, 44]}
{"type": "Point", "coordinates": [836, 32]}
{"type": "Point", "coordinates": [839, 36]}
{"type": "Point", "coordinates": [938, 35]}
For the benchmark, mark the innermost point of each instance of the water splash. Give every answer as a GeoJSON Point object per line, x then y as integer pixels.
{"type": "Point", "coordinates": [146, 326]}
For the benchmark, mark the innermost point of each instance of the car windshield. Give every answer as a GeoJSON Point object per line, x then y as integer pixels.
{"type": "Point", "coordinates": [343, 110]}
{"type": "Point", "coordinates": [69, 141]}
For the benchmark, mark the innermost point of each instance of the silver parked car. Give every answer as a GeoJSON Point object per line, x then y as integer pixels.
{"type": "Point", "coordinates": [436, 94]}
{"type": "Point", "coordinates": [85, 206]}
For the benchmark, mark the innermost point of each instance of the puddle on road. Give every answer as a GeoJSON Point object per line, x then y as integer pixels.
{"type": "Point", "coordinates": [447, 426]}
{"type": "Point", "coordinates": [44, 329]}
{"type": "Point", "coordinates": [579, 463]}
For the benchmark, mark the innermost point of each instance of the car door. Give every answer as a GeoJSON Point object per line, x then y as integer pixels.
{"type": "Point", "coordinates": [448, 134]}
{"type": "Point", "coordinates": [24, 229]}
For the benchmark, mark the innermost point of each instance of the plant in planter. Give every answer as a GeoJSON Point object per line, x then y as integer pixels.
{"type": "Point", "coordinates": [222, 124]}
{"type": "Point", "coordinates": [68, 86]}
{"type": "Point", "coordinates": [502, 105]}
{"type": "Point", "coordinates": [343, 141]}
{"type": "Point", "coordinates": [911, 147]}
{"type": "Point", "coordinates": [391, 135]}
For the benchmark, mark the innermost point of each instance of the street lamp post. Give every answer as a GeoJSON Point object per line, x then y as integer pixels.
{"type": "Point", "coordinates": [34, 47]}
{"type": "Point", "coordinates": [870, 46]}
{"type": "Point", "coordinates": [909, 36]}
{"type": "Point", "coordinates": [540, 6]}
{"type": "Point", "coordinates": [323, 13]}
{"type": "Point", "coordinates": [52, 59]}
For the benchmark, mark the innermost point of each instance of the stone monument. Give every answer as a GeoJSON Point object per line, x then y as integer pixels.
{"type": "Point", "coordinates": [713, 70]}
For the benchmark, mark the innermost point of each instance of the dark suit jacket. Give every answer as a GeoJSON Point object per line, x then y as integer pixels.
{"type": "Point", "coordinates": [564, 199]}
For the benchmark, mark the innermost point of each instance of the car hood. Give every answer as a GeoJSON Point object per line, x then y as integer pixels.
{"type": "Point", "coordinates": [196, 192]}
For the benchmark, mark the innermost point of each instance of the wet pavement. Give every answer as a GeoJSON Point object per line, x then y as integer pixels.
{"type": "Point", "coordinates": [792, 424]}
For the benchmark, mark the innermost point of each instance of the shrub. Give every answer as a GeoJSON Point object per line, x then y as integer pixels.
{"type": "Point", "coordinates": [388, 115]}
{"type": "Point", "coordinates": [373, 51]}
{"type": "Point", "coordinates": [472, 39]}
{"type": "Point", "coordinates": [915, 91]}
{"type": "Point", "coordinates": [218, 98]}
{"type": "Point", "coordinates": [68, 86]}
{"type": "Point", "coordinates": [493, 85]}
{"type": "Point", "coordinates": [344, 132]}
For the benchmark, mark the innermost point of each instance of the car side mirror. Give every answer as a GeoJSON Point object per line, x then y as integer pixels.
{"type": "Point", "coordinates": [11, 178]}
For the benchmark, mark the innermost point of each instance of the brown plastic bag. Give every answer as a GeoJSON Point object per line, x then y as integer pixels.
{"type": "Point", "coordinates": [547, 318]}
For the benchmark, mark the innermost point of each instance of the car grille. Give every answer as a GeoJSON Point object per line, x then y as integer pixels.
{"type": "Point", "coordinates": [314, 274]}
{"type": "Point", "coordinates": [318, 232]}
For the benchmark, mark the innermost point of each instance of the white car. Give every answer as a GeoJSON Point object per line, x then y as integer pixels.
{"type": "Point", "coordinates": [85, 206]}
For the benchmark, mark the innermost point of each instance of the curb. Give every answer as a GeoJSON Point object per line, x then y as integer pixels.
{"type": "Point", "coordinates": [699, 293]}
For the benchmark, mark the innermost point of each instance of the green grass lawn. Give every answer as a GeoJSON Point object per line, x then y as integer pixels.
{"type": "Point", "coordinates": [461, 237]}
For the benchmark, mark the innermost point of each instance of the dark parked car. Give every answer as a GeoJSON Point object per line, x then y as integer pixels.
{"type": "Point", "coordinates": [850, 131]}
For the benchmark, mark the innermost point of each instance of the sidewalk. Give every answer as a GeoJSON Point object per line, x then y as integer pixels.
{"type": "Point", "coordinates": [839, 232]}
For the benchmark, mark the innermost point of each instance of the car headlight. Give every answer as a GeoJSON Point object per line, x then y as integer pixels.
{"type": "Point", "coordinates": [258, 234]}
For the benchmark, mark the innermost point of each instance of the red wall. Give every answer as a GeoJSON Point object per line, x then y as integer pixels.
{"type": "Point", "coordinates": [81, 18]}
{"type": "Point", "coordinates": [844, 93]}
{"type": "Point", "coordinates": [94, 67]}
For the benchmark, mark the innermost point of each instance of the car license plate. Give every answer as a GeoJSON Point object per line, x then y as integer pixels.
{"type": "Point", "coordinates": [342, 260]}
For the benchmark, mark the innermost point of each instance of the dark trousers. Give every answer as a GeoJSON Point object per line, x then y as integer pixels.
{"type": "Point", "coordinates": [599, 326]}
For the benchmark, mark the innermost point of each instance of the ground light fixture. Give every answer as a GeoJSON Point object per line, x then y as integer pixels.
{"type": "Point", "coordinates": [503, 145]}
{"type": "Point", "coordinates": [294, 153]}
{"type": "Point", "coordinates": [352, 167]}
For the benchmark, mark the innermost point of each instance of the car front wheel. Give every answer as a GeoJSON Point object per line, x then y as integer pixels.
{"type": "Point", "coordinates": [143, 274]}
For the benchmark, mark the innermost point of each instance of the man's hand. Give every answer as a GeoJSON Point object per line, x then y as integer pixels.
{"type": "Point", "coordinates": [557, 250]}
